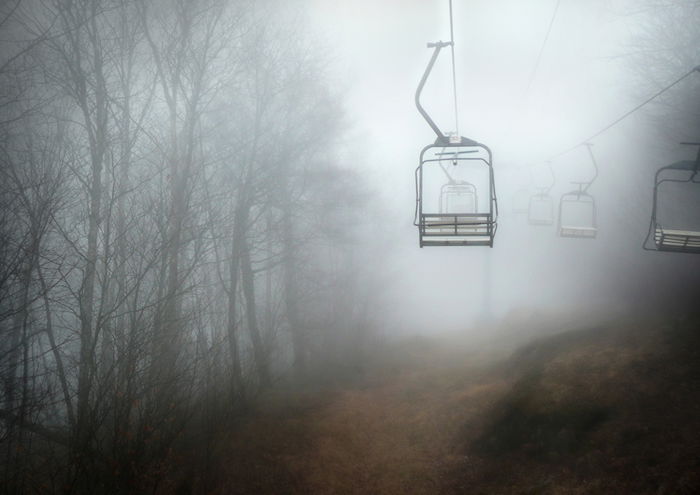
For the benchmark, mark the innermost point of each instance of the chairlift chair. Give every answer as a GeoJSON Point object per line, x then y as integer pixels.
{"type": "Point", "coordinates": [457, 219]}
{"type": "Point", "coordinates": [459, 197]}
{"type": "Point", "coordinates": [577, 209]}
{"type": "Point", "coordinates": [540, 210]}
{"type": "Point", "coordinates": [578, 199]}
{"type": "Point", "coordinates": [679, 240]}
{"type": "Point", "coordinates": [521, 198]}
{"type": "Point", "coordinates": [541, 207]}
{"type": "Point", "coordinates": [521, 201]}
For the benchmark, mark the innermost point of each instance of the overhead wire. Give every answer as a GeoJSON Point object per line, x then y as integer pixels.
{"type": "Point", "coordinates": [534, 73]}
{"type": "Point", "coordinates": [536, 65]}
{"type": "Point", "coordinates": [454, 70]}
{"type": "Point", "coordinates": [535, 68]}
{"type": "Point", "coordinates": [544, 44]}
{"type": "Point", "coordinates": [627, 114]}
{"type": "Point", "coordinates": [587, 140]}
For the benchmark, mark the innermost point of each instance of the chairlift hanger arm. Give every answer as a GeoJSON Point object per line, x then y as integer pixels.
{"type": "Point", "coordinates": [589, 147]}
{"type": "Point", "coordinates": [454, 156]}
{"type": "Point", "coordinates": [447, 174]}
{"type": "Point", "coordinates": [547, 189]}
{"type": "Point", "coordinates": [580, 192]}
{"type": "Point", "coordinates": [441, 138]}
{"type": "Point", "coordinates": [688, 143]}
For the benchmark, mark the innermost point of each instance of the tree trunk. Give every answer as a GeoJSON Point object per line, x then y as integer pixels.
{"type": "Point", "coordinates": [291, 297]}
{"type": "Point", "coordinates": [240, 219]}
{"type": "Point", "coordinates": [259, 352]}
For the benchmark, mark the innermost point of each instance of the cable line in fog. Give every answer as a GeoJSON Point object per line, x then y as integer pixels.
{"type": "Point", "coordinates": [544, 44]}
{"type": "Point", "coordinates": [628, 113]}
{"type": "Point", "coordinates": [454, 71]}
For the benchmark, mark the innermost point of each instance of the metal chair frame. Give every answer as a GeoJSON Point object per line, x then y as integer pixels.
{"type": "Point", "coordinates": [521, 198]}
{"type": "Point", "coordinates": [463, 229]}
{"type": "Point", "coordinates": [542, 196]}
{"type": "Point", "coordinates": [580, 196]}
{"type": "Point", "coordinates": [673, 240]}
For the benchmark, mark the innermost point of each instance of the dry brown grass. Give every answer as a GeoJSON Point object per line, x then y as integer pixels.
{"type": "Point", "coordinates": [607, 411]}
{"type": "Point", "coordinates": [614, 410]}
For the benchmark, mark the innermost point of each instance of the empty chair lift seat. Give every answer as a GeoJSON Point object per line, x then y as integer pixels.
{"type": "Point", "coordinates": [541, 210]}
{"type": "Point", "coordinates": [456, 229]}
{"type": "Point", "coordinates": [577, 214]}
{"type": "Point", "coordinates": [677, 240]}
{"type": "Point", "coordinates": [674, 240]}
{"type": "Point", "coordinates": [579, 232]}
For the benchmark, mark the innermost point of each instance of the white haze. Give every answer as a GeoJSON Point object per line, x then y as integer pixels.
{"type": "Point", "coordinates": [583, 82]}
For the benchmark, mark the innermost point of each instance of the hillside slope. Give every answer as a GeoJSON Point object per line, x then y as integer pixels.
{"type": "Point", "coordinates": [613, 409]}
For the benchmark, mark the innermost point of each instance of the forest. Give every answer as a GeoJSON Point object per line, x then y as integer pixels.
{"type": "Point", "coordinates": [210, 283]}
{"type": "Point", "coordinates": [177, 229]}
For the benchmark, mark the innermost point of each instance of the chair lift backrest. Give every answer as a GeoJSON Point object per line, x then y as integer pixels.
{"type": "Point", "coordinates": [581, 197]}
{"type": "Point", "coordinates": [521, 197]}
{"type": "Point", "coordinates": [541, 208]}
{"type": "Point", "coordinates": [458, 197]}
{"type": "Point", "coordinates": [542, 199]}
{"type": "Point", "coordinates": [577, 214]}
{"type": "Point", "coordinates": [673, 240]}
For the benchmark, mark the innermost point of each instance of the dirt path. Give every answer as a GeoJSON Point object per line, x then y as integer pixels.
{"type": "Point", "coordinates": [394, 435]}
{"type": "Point", "coordinates": [395, 438]}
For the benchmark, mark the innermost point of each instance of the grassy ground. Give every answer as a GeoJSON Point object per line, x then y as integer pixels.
{"type": "Point", "coordinates": [611, 409]}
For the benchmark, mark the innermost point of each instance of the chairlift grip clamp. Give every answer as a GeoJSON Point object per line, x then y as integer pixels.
{"type": "Point", "coordinates": [697, 158]}
{"type": "Point", "coordinates": [440, 44]}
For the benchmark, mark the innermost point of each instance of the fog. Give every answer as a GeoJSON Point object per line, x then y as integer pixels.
{"type": "Point", "coordinates": [526, 112]}
{"type": "Point", "coordinates": [235, 258]}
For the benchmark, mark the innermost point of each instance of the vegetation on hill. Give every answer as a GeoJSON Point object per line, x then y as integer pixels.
{"type": "Point", "coordinates": [610, 409]}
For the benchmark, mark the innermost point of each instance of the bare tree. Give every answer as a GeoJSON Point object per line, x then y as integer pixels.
{"type": "Point", "coordinates": [160, 161]}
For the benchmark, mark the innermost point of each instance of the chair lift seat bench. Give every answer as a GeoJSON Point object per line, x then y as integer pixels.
{"type": "Point", "coordinates": [455, 218]}
{"type": "Point", "coordinates": [677, 240]}
{"type": "Point", "coordinates": [571, 231]}
{"type": "Point", "coordinates": [458, 224]}
{"type": "Point", "coordinates": [456, 229]}
{"type": "Point", "coordinates": [485, 241]}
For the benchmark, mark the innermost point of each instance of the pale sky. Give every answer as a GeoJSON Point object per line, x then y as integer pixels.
{"type": "Point", "coordinates": [380, 53]}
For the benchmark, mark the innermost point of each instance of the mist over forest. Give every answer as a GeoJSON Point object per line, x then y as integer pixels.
{"type": "Point", "coordinates": [216, 269]}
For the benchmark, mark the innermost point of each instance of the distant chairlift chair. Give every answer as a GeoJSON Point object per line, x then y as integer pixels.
{"type": "Point", "coordinates": [541, 208]}
{"type": "Point", "coordinates": [449, 226]}
{"type": "Point", "coordinates": [674, 240]}
{"type": "Point", "coordinates": [577, 209]}
{"type": "Point", "coordinates": [521, 199]}
{"type": "Point", "coordinates": [458, 197]}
